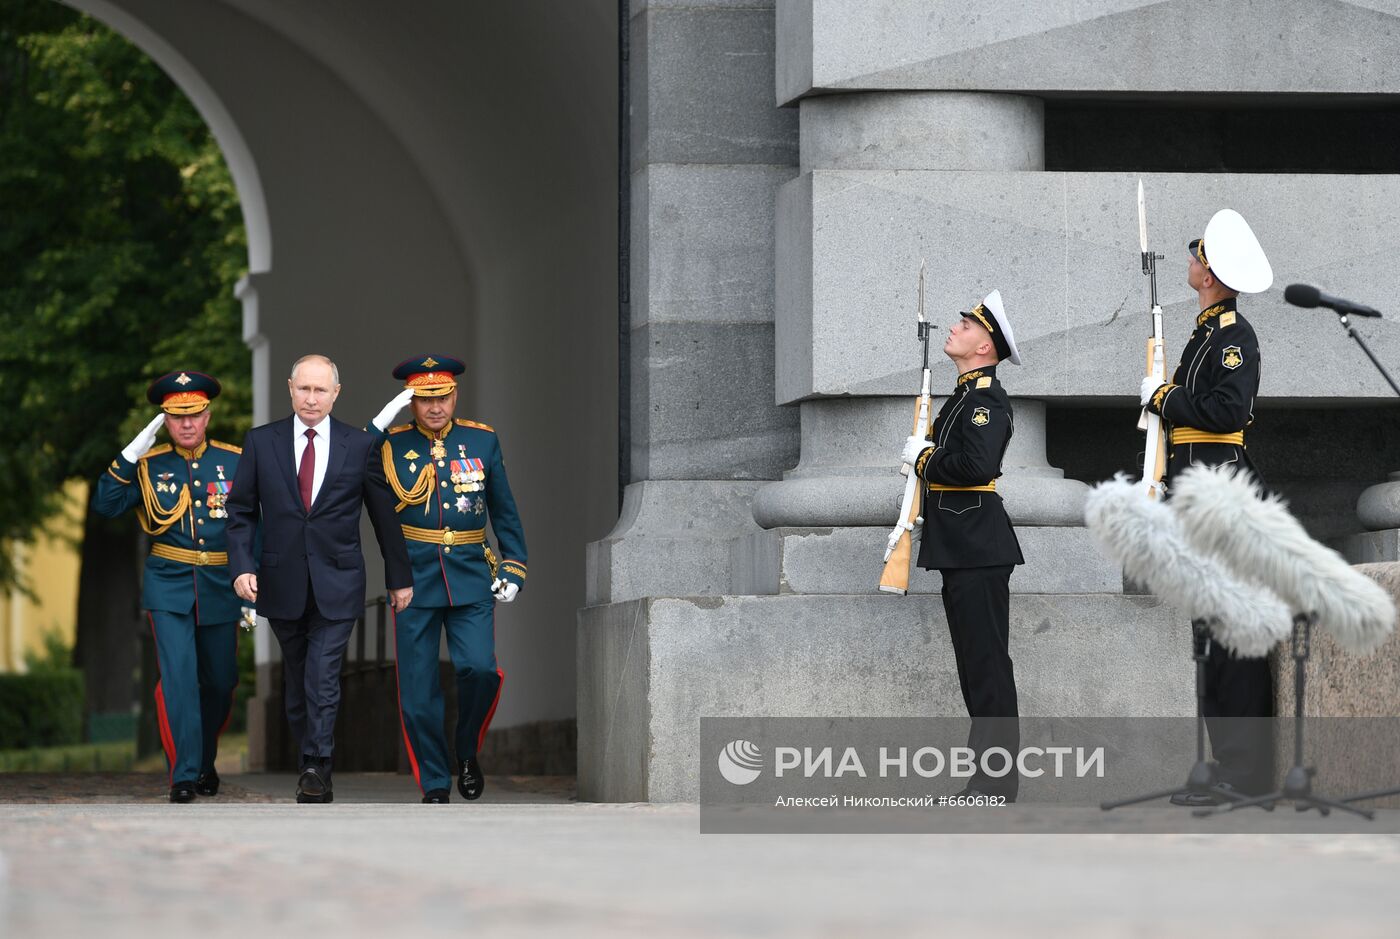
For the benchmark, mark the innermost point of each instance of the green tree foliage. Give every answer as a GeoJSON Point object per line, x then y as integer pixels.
{"type": "Point", "coordinates": [121, 240]}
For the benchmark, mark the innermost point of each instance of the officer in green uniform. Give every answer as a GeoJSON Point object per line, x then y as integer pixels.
{"type": "Point", "coordinates": [967, 535]}
{"type": "Point", "coordinates": [1208, 403]}
{"type": "Point", "coordinates": [179, 494]}
{"type": "Point", "coordinates": [450, 480]}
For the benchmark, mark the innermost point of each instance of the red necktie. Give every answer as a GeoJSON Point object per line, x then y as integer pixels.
{"type": "Point", "coordinates": [306, 473]}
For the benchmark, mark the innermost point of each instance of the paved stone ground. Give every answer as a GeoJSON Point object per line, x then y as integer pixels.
{"type": "Point", "coordinates": [527, 860]}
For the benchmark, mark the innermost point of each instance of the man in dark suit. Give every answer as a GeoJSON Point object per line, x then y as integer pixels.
{"type": "Point", "coordinates": [967, 535]}
{"type": "Point", "coordinates": [305, 477]}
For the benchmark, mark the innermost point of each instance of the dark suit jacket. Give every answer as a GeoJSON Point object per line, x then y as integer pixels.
{"type": "Point", "coordinates": [321, 547]}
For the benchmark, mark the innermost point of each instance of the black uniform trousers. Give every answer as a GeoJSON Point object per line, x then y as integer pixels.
{"type": "Point", "coordinates": [977, 601]}
{"type": "Point", "coordinates": [1239, 692]}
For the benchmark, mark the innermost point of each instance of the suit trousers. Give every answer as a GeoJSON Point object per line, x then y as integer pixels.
{"type": "Point", "coordinates": [194, 696]}
{"type": "Point", "coordinates": [977, 601]}
{"type": "Point", "coordinates": [471, 642]}
{"type": "Point", "coordinates": [313, 649]}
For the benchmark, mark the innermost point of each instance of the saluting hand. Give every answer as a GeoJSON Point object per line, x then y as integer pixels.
{"type": "Point", "coordinates": [385, 417]}
{"type": "Point", "coordinates": [144, 440]}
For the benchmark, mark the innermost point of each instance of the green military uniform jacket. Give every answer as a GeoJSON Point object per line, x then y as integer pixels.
{"type": "Point", "coordinates": [449, 486]}
{"type": "Point", "coordinates": [179, 496]}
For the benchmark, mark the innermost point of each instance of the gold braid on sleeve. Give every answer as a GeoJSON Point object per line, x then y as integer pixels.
{"type": "Point", "coordinates": [418, 495]}
{"type": "Point", "coordinates": [155, 520]}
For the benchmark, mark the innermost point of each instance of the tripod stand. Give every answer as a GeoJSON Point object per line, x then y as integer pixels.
{"type": "Point", "coordinates": [1297, 785]}
{"type": "Point", "coordinates": [1202, 777]}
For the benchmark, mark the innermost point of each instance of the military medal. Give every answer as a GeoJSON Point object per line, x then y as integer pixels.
{"type": "Point", "coordinates": [439, 451]}
{"type": "Point", "coordinates": [480, 506]}
{"type": "Point", "coordinates": [463, 503]}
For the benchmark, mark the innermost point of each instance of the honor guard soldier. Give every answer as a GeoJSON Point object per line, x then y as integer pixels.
{"type": "Point", "coordinates": [967, 535]}
{"type": "Point", "coordinates": [179, 492]}
{"type": "Point", "coordinates": [1208, 404]}
{"type": "Point", "coordinates": [450, 480]}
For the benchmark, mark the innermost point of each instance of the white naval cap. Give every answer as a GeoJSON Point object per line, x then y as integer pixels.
{"type": "Point", "coordinates": [1230, 251]}
{"type": "Point", "coordinates": [992, 315]}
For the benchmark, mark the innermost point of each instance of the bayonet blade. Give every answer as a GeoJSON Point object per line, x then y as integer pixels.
{"type": "Point", "coordinates": [923, 262]}
{"type": "Point", "coordinates": [1142, 218]}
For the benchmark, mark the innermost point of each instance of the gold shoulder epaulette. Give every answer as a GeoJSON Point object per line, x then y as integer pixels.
{"type": "Point", "coordinates": [400, 428]}
{"type": "Point", "coordinates": [225, 446]}
{"type": "Point", "coordinates": [156, 451]}
{"type": "Point", "coordinates": [461, 422]}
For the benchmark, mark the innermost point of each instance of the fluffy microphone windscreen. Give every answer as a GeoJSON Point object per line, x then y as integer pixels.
{"type": "Point", "coordinates": [1226, 513]}
{"type": "Point", "coordinates": [1145, 536]}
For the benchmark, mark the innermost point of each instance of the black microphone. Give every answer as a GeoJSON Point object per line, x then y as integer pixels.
{"type": "Point", "coordinates": [1306, 295]}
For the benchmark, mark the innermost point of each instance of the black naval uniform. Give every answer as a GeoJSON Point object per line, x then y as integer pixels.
{"type": "Point", "coordinates": [968, 538]}
{"type": "Point", "coordinates": [1208, 404]}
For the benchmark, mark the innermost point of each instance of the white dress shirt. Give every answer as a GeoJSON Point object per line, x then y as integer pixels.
{"type": "Point", "coordinates": [322, 453]}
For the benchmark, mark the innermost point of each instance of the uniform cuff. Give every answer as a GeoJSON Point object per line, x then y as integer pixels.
{"type": "Point", "coordinates": [122, 470]}
{"type": "Point", "coordinates": [512, 571]}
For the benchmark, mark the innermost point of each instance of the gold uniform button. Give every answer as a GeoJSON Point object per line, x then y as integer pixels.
{"type": "Point", "coordinates": [446, 550]}
{"type": "Point", "coordinates": [196, 482]}
{"type": "Point", "coordinates": [199, 521]}
{"type": "Point", "coordinates": [444, 484]}
{"type": "Point", "coordinates": [446, 506]}
{"type": "Point", "coordinates": [198, 504]}
{"type": "Point", "coordinates": [201, 541]}
{"type": "Point", "coordinates": [440, 463]}
{"type": "Point", "coordinates": [194, 466]}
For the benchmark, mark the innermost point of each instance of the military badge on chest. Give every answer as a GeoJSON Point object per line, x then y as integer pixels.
{"type": "Point", "coordinates": [216, 495]}
{"type": "Point", "coordinates": [467, 474]}
{"type": "Point", "coordinates": [165, 483]}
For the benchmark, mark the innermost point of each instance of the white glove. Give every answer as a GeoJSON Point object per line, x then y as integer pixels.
{"type": "Point", "coordinates": [144, 440]}
{"type": "Point", "coordinates": [504, 590]}
{"type": "Point", "coordinates": [912, 448]}
{"type": "Point", "coordinates": [1149, 388]}
{"type": "Point", "coordinates": [384, 418]}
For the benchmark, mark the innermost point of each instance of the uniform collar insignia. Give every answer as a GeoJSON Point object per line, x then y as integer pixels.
{"type": "Point", "coordinates": [194, 454]}
{"type": "Point", "coordinates": [985, 371]}
{"type": "Point", "coordinates": [433, 436]}
{"type": "Point", "coordinates": [1224, 306]}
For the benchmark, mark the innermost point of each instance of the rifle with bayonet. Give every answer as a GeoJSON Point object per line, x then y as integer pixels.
{"type": "Point", "coordinates": [1154, 457]}
{"type": "Point", "coordinates": [899, 548]}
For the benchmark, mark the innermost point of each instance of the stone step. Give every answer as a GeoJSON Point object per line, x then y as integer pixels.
{"type": "Point", "coordinates": [849, 561]}
{"type": "Point", "coordinates": [649, 669]}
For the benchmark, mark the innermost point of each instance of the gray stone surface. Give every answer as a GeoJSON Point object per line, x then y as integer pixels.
{"type": "Point", "coordinates": [848, 474]}
{"type": "Point", "coordinates": [849, 561]}
{"type": "Point", "coordinates": [1094, 46]}
{"type": "Point", "coordinates": [1379, 506]}
{"type": "Point", "coordinates": [1371, 547]}
{"type": "Point", "coordinates": [1063, 249]}
{"type": "Point", "coordinates": [702, 242]}
{"type": "Point", "coordinates": [702, 404]}
{"type": "Point", "coordinates": [923, 131]}
{"type": "Point", "coordinates": [849, 655]}
{"type": "Point", "coordinates": [702, 80]}
{"type": "Point", "coordinates": [587, 870]}
{"type": "Point", "coordinates": [671, 539]}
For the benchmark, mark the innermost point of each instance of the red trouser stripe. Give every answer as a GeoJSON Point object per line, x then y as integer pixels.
{"type": "Point", "coordinates": [398, 697]}
{"type": "Point", "coordinates": [500, 683]}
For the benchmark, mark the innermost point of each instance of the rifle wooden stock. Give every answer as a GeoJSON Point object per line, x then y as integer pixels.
{"type": "Point", "coordinates": [895, 577]}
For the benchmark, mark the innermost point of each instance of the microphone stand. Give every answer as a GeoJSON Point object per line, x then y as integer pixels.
{"type": "Point", "coordinates": [1202, 777]}
{"type": "Point", "coordinates": [1297, 785]}
{"type": "Point", "coordinates": [1345, 320]}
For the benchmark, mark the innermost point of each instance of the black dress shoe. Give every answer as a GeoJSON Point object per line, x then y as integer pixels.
{"type": "Point", "coordinates": [182, 792]}
{"type": "Point", "coordinates": [470, 781]}
{"type": "Point", "coordinates": [207, 784]}
{"type": "Point", "coordinates": [313, 787]}
{"type": "Point", "coordinates": [436, 797]}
